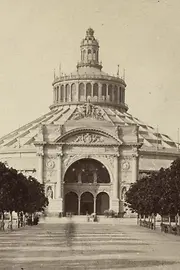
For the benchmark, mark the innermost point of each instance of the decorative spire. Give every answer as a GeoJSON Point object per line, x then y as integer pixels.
{"type": "Point", "coordinates": [90, 32]}
{"type": "Point", "coordinates": [89, 51]}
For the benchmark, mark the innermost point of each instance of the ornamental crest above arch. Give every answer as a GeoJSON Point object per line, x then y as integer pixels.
{"type": "Point", "coordinates": [88, 110]}
{"type": "Point", "coordinates": [88, 136]}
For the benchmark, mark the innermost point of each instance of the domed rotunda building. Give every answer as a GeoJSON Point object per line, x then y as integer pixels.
{"type": "Point", "coordinates": [87, 149]}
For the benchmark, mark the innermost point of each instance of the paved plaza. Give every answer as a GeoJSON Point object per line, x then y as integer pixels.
{"type": "Point", "coordinates": [118, 244]}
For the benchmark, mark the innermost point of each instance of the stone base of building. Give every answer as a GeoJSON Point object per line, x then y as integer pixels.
{"type": "Point", "coordinates": [55, 207]}
{"type": "Point", "coordinates": [115, 205]}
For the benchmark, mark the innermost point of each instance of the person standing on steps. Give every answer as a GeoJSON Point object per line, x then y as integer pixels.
{"type": "Point", "coordinates": [70, 230]}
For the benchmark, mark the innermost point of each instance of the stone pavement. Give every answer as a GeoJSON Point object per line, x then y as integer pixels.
{"type": "Point", "coordinates": [118, 244]}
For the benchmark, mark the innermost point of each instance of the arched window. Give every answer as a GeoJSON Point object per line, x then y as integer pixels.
{"type": "Point", "coordinates": [104, 91]}
{"type": "Point", "coordinates": [95, 90]}
{"type": "Point", "coordinates": [115, 94]}
{"type": "Point", "coordinates": [73, 92]}
{"type": "Point", "coordinates": [110, 92]}
{"type": "Point", "coordinates": [120, 94]}
{"type": "Point", "coordinates": [89, 55]}
{"type": "Point", "coordinates": [67, 93]}
{"type": "Point", "coordinates": [81, 92]}
{"type": "Point", "coordinates": [62, 93]}
{"type": "Point", "coordinates": [83, 55]}
{"type": "Point", "coordinates": [88, 90]}
{"type": "Point", "coordinates": [94, 54]}
{"type": "Point", "coordinates": [57, 96]}
{"type": "Point", "coordinates": [123, 95]}
{"type": "Point", "coordinates": [54, 94]}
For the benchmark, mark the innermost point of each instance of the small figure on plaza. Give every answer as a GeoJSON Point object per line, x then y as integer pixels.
{"type": "Point", "coordinates": [70, 230]}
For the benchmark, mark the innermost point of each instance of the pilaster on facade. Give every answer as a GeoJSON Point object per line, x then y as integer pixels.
{"type": "Point", "coordinates": [135, 165]}
{"type": "Point", "coordinates": [116, 177]}
{"type": "Point", "coordinates": [40, 170]}
{"type": "Point", "coordinates": [59, 191]}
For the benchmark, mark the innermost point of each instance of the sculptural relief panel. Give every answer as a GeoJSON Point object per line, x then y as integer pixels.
{"type": "Point", "coordinates": [88, 110]}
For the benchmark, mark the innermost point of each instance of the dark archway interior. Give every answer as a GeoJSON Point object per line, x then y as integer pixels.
{"type": "Point", "coordinates": [71, 203]}
{"type": "Point", "coordinates": [87, 171]}
{"type": "Point", "coordinates": [102, 203]}
{"type": "Point", "coordinates": [87, 203]}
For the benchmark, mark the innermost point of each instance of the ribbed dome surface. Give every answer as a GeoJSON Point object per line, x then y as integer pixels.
{"type": "Point", "coordinates": [67, 116]}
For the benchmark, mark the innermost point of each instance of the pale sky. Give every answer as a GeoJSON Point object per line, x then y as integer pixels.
{"type": "Point", "coordinates": [142, 36]}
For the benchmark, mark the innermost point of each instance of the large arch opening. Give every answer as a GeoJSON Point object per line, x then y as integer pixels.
{"type": "Point", "coordinates": [87, 171]}
{"type": "Point", "coordinates": [71, 203]}
{"type": "Point", "coordinates": [102, 203]}
{"type": "Point", "coordinates": [86, 203]}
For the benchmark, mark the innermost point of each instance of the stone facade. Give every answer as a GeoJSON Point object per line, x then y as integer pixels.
{"type": "Point", "coordinates": [88, 121]}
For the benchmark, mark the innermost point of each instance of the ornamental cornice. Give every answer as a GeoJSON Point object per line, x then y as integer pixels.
{"type": "Point", "coordinates": [121, 105]}
{"type": "Point", "coordinates": [81, 77]}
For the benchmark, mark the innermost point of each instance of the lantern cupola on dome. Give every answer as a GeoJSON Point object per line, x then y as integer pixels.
{"type": "Point", "coordinates": [89, 51]}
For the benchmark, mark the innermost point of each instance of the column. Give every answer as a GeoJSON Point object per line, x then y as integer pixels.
{"type": "Point", "coordinates": [77, 91]}
{"type": "Point", "coordinates": [100, 92]}
{"type": "Point", "coordinates": [116, 178]}
{"type": "Point", "coordinates": [94, 203]}
{"type": "Point", "coordinates": [40, 166]}
{"type": "Point", "coordinates": [107, 96]}
{"type": "Point", "coordinates": [134, 167]}
{"type": "Point", "coordinates": [118, 95]}
{"type": "Point", "coordinates": [79, 205]}
{"type": "Point", "coordinates": [59, 176]}
{"type": "Point", "coordinates": [113, 94]}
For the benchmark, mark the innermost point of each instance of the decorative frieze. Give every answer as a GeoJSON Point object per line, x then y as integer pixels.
{"type": "Point", "coordinates": [89, 138]}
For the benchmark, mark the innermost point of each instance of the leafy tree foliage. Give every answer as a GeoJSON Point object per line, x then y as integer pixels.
{"type": "Point", "coordinates": [19, 193]}
{"type": "Point", "coordinates": [158, 193]}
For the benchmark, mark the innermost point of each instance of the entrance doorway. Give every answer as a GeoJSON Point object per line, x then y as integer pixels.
{"type": "Point", "coordinates": [86, 203]}
{"type": "Point", "coordinates": [102, 203]}
{"type": "Point", "coordinates": [71, 203]}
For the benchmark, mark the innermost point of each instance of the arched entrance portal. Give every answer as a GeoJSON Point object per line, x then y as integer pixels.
{"type": "Point", "coordinates": [102, 203]}
{"type": "Point", "coordinates": [87, 170]}
{"type": "Point", "coordinates": [86, 203]}
{"type": "Point", "coordinates": [71, 203]}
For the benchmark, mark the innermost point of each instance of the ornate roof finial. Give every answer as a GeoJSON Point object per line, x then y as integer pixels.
{"type": "Point", "coordinates": [54, 73]}
{"type": "Point", "coordinates": [118, 71]}
{"type": "Point", "coordinates": [90, 32]}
